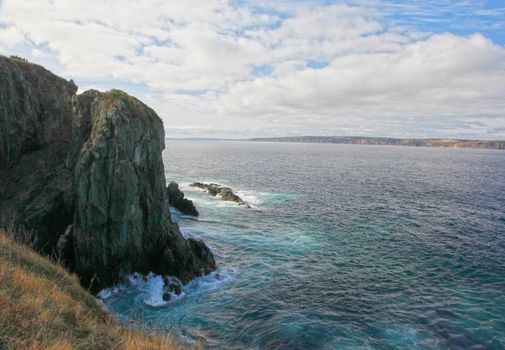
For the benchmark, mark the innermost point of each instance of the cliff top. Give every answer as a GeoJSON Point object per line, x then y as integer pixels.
{"type": "Point", "coordinates": [126, 102]}
{"type": "Point", "coordinates": [30, 70]}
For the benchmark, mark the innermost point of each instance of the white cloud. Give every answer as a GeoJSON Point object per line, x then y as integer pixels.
{"type": "Point", "coordinates": [436, 76]}
{"type": "Point", "coordinates": [10, 36]}
{"type": "Point", "coordinates": [195, 63]}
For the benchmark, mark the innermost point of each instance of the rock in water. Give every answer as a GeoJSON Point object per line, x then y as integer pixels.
{"type": "Point", "coordinates": [226, 193]}
{"type": "Point", "coordinates": [166, 296]}
{"type": "Point", "coordinates": [92, 161]}
{"type": "Point", "coordinates": [177, 200]}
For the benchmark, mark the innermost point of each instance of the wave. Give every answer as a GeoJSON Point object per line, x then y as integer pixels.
{"type": "Point", "coordinates": [150, 288]}
{"type": "Point", "coordinates": [210, 282]}
{"type": "Point", "coordinates": [253, 198]}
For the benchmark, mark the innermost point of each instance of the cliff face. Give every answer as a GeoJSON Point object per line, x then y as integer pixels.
{"type": "Point", "coordinates": [85, 173]}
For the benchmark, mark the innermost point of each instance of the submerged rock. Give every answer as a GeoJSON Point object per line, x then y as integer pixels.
{"type": "Point", "coordinates": [176, 199]}
{"type": "Point", "coordinates": [225, 193]}
{"type": "Point", "coordinates": [91, 162]}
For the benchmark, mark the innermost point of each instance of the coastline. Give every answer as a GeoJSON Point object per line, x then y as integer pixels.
{"type": "Point", "coordinates": [386, 141]}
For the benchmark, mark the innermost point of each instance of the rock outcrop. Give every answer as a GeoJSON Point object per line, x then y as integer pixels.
{"type": "Point", "coordinates": [225, 193]}
{"type": "Point", "coordinates": [85, 173]}
{"type": "Point", "coordinates": [176, 199]}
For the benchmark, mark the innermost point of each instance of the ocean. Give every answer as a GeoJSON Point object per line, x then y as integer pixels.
{"type": "Point", "coordinates": [344, 247]}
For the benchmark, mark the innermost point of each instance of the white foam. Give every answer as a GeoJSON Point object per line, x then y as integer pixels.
{"type": "Point", "coordinates": [151, 288]}
{"type": "Point", "coordinates": [250, 197]}
{"type": "Point", "coordinates": [253, 198]}
{"type": "Point", "coordinates": [154, 290]}
{"type": "Point", "coordinates": [107, 293]}
{"type": "Point", "coordinates": [205, 284]}
{"type": "Point", "coordinates": [135, 279]}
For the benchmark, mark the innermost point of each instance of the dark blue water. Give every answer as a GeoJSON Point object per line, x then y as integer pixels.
{"type": "Point", "coordinates": [345, 247]}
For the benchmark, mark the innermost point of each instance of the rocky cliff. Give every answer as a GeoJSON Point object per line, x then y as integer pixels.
{"type": "Point", "coordinates": [85, 173]}
{"type": "Point", "coordinates": [177, 200]}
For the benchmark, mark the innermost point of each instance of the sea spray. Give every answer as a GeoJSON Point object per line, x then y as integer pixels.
{"type": "Point", "coordinates": [150, 288]}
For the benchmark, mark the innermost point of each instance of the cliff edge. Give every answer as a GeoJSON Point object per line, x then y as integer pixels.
{"type": "Point", "coordinates": [85, 173]}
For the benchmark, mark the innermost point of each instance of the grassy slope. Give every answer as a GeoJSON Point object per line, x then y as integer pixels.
{"type": "Point", "coordinates": [42, 306]}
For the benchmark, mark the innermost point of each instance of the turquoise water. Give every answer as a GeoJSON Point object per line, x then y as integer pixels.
{"type": "Point", "coordinates": [345, 247]}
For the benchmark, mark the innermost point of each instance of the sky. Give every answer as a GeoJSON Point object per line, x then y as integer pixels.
{"type": "Point", "coordinates": [244, 68]}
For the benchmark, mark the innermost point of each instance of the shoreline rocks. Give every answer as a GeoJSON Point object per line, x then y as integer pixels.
{"type": "Point", "coordinates": [85, 173]}
{"type": "Point", "coordinates": [176, 199]}
{"type": "Point", "coordinates": [225, 193]}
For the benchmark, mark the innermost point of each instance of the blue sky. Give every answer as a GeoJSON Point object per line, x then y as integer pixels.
{"type": "Point", "coordinates": [458, 17]}
{"type": "Point", "coordinates": [218, 68]}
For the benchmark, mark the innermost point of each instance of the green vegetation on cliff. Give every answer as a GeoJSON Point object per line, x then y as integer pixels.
{"type": "Point", "coordinates": [42, 306]}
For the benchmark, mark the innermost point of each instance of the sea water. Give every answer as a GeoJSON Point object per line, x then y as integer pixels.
{"type": "Point", "coordinates": [344, 247]}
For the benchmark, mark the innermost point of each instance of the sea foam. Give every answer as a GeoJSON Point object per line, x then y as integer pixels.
{"type": "Point", "coordinates": [150, 287]}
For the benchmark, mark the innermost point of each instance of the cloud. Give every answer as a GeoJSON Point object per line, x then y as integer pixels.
{"type": "Point", "coordinates": [9, 36]}
{"type": "Point", "coordinates": [442, 75]}
{"type": "Point", "coordinates": [226, 68]}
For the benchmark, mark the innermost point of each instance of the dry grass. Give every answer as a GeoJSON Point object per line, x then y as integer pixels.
{"type": "Point", "coordinates": [42, 306]}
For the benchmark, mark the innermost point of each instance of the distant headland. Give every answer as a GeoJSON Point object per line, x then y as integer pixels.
{"type": "Point", "coordinates": [360, 140]}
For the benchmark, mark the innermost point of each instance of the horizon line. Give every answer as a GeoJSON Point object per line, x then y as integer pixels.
{"type": "Point", "coordinates": [331, 136]}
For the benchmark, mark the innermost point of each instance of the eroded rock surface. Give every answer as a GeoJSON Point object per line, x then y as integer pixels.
{"type": "Point", "coordinates": [85, 173]}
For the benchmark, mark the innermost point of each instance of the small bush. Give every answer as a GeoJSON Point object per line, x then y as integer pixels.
{"type": "Point", "coordinates": [19, 58]}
